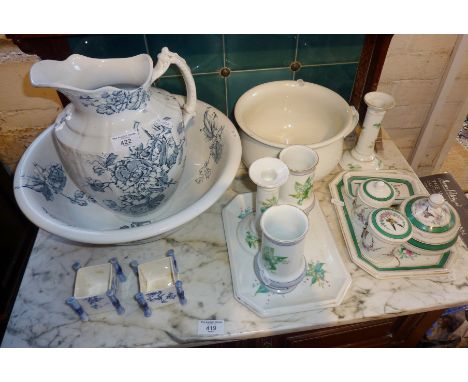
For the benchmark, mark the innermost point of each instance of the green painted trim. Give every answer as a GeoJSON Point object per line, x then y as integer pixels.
{"type": "Point", "coordinates": [386, 234]}
{"type": "Point", "coordinates": [389, 180]}
{"type": "Point", "coordinates": [441, 263]}
{"type": "Point", "coordinates": [432, 247]}
{"type": "Point", "coordinates": [392, 191]}
{"type": "Point", "coordinates": [426, 228]}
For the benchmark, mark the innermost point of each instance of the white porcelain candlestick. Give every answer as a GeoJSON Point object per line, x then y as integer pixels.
{"type": "Point", "coordinates": [363, 156]}
{"type": "Point", "coordinates": [269, 174]}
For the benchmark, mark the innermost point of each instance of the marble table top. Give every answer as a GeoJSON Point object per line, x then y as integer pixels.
{"type": "Point", "coordinates": [41, 319]}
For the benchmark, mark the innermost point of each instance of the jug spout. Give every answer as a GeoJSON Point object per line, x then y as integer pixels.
{"type": "Point", "coordinates": [84, 80]}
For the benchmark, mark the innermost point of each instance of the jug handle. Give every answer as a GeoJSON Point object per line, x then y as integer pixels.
{"type": "Point", "coordinates": [165, 59]}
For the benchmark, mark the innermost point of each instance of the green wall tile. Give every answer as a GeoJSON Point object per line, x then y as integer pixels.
{"type": "Point", "coordinates": [239, 82]}
{"type": "Point", "coordinates": [339, 78]}
{"type": "Point", "coordinates": [325, 49]}
{"type": "Point", "coordinates": [210, 88]}
{"type": "Point", "coordinates": [107, 46]}
{"type": "Point", "coordinates": [203, 53]}
{"type": "Point", "coordinates": [259, 51]}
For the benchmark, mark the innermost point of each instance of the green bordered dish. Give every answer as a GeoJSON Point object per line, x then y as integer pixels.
{"type": "Point", "coordinates": [378, 190]}
{"type": "Point", "coordinates": [435, 224]}
{"type": "Point", "coordinates": [404, 184]}
{"type": "Point", "coordinates": [390, 225]}
{"type": "Point", "coordinates": [404, 263]}
{"type": "Point", "coordinates": [417, 211]}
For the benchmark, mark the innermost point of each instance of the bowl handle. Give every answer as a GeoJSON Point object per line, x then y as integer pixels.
{"type": "Point", "coordinates": [165, 59]}
{"type": "Point", "coordinates": [352, 124]}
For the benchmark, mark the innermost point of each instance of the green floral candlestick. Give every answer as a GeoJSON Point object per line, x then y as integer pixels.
{"type": "Point", "coordinates": [363, 156]}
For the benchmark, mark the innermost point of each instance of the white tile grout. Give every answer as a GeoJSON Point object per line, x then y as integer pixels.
{"type": "Point", "coordinates": [146, 44]}
{"type": "Point", "coordinates": [295, 54]}
{"type": "Point", "coordinates": [193, 74]}
{"type": "Point", "coordinates": [264, 69]}
{"type": "Point", "coordinates": [226, 102]}
{"type": "Point", "coordinates": [224, 51]}
{"type": "Point", "coordinates": [258, 70]}
{"type": "Point", "coordinates": [330, 64]}
{"type": "Point", "coordinates": [297, 47]}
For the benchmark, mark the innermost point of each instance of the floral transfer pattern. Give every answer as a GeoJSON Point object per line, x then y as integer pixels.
{"type": "Point", "coordinates": [213, 135]}
{"type": "Point", "coordinates": [245, 212]}
{"type": "Point", "coordinates": [94, 302]}
{"type": "Point", "coordinates": [252, 240]}
{"type": "Point", "coordinates": [404, 253]}
{"type": "Point", "coordinates": [136, 224]}
{"type": "Point", "coordinates": [368, 242]}
{"type": "Point", "coordinates": [429, 216]}
{"type": "Point", "coordinates": [268, 255]}
{"type": "Point", "coordinates": [141, 177]}
{"type": "Point", "coordinates": [302, 190]}
{"type": "Point", "coordinates": [392, 222]}
{"type": "Point", "coordinates": [360, 212]}
{"type": "Point", "coordinates": [354, 167]}
{"type": "Point", "coordinates": [267, 203]}
{"type": "Point", "coordinates": [109, 103]}
{"type": "Point", "coordinates": [262, 289]}
{"type": "Point", "coordinates": [160, 296]}
{"type": "Point", "coordinates": [315, 272]}
{"type": "Point", "coordinates": [50, 181]}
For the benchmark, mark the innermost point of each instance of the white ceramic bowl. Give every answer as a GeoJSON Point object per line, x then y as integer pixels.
{"type": "Point", "coordinates": [277, 114]}
{"type": "Point", "coordinates": [52, 201]}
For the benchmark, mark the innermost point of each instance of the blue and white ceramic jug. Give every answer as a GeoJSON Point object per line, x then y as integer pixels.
{"type": "Point", "coordinates": [121, 141]}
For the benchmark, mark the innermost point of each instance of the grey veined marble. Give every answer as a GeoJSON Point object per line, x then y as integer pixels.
{"type": "Point", "coordinates": [40, 317]}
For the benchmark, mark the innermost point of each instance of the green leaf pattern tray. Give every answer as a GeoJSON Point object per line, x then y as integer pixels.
{"type": "Point", "coordinates": [326, 282]}
{"type": "Point", "coordinates": [405, 263]}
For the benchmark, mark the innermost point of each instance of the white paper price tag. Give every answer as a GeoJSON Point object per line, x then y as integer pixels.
{"type": "Point", "coordinates": [210, 327]}
{"type": "Point", "coordinates": [121, 142]}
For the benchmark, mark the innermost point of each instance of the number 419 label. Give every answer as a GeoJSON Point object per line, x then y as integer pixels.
{"type": "Point", "coordinates": [210, 327]}
{"type": "Point", "coordinates": [121, 142]}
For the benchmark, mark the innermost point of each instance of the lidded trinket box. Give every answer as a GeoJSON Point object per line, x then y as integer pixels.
{"type": "Point", "coordinates": [386, 230]}
{"type": "Point", "coordinates": [435, 224]}
{"type": "Point", "coordinates": [372, 194]}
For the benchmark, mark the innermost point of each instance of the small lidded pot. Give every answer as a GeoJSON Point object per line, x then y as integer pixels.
{"type": "Point", "coordinates": [386, 231]}
{"type": "Point", "coordinates": [435, 224]}
{"type": "Point", "coordinates": [372, 194]}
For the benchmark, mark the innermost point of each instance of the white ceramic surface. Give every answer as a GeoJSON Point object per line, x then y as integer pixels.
{"type": "Point", "coordinates": [268, 174]}
{"type": "Point", "coordinates": [363, 156]}
{"type": "Point", "coordinates": [405, 263]}
{"type": "Point", "coordinates": [298, 190]}
{"type": "Point", "coordinates": [387, 229]}
{"type": "Point", "coordinates": [205, 270]}
{"type": "Point", "coordinates": [91, 285]}
{"type": "Point", "coordinates": [120, 140]}
{"type": "Point", "coordinates": [404, 183]}
{"type": "Point", "coordinates": [157, 282]}
{"type": "Point", "coordinates": [277, 114]}
{"type": "Point", "coordinates": [326, 281]}
{"type": "Point", "coordinates": [51, 200]}
{"type": "Point", "coordinates": [281, 257]}
{"type": "Point", "coordinates": [435, 224]}
{"type": "Point", "coordinates": [372, 194]}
